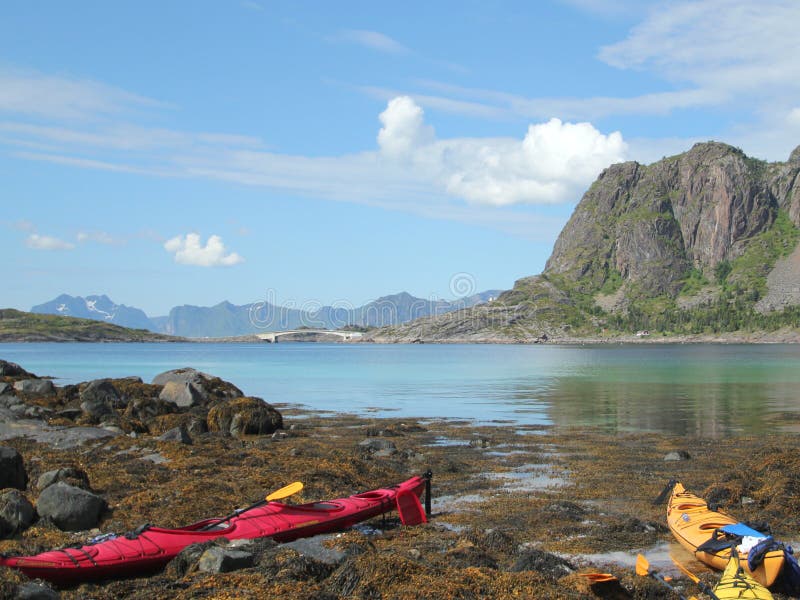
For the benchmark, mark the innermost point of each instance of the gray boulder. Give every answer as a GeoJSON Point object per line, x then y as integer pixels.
{"type": "Point", "coordinates": [12, 469]}
{"type": "Point", "coordinates": [70, 475]}
{"type": "Point", "coordinates": [184, 375]}
{"type": "Point", "coordinates": [10, 369]}
{"type": "Point", "coordinates": [98, 400]}
{"type": "Point", "coordinates": [244, 416]}
{"type": "Point", "coordinates": [183, 394]}
{"type": "Point", "coordinates": [5, 388]}
{"type": "Point", "coordinates": [40, 387]}
{"type": "Point", "coordinates": [145, 409]}
{"type": "Point", "coordinates": [70, 507]}
{"type": "Point", "coordinates": [377, 444]}
{"type": "Point", "coordinates": [16, 512]}
{"type": "Point", "coordinates": [178, 434]}
{"type": "Point", "coordinates": [101, 391]}
{"type": "Point", "coordinates": [33, 590]}
{"type": "Point", "coordinates": [223, 560]}
{"type": "Point", "coordinates": [210, 387]}
{"type": "Point", "coordinates": [95, 410]}
{"type": "Point", "coordinates": [677, 455]}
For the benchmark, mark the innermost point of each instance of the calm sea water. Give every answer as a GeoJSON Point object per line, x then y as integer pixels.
{"type": "Point", "coordinates": [682, 389]}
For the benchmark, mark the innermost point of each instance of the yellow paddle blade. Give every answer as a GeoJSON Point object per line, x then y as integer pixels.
{"type": "Point", "coordinates": [684, 570]}
{"type": "Point", "coordinates": [642, 566]}
{"type": "Point", "coordinates": [598, 577]}
{"type": "Point", "coordinates": [286, 491]}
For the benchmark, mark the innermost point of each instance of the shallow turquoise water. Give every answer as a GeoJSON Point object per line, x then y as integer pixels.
{"type": "Point", "coordinates": [683, 389]}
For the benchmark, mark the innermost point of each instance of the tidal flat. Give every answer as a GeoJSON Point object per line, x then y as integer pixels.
{"type": "Point", "coordinates": [514, 515]}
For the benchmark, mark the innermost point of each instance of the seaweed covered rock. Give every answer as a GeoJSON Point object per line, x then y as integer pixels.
{"type": "Point", "coordinates": [71, 475]}
{"type": "Point", "coordinates": [549, 565]}
{"type": "Point", "coordinates": [101, 391]}
{"type": "Point", "coordinates": [100, 399]}
{"type": "Point", "coordinates": [186, 560]}
{"type": "Point", "coordinates": [70, 507]}
{"type": "Point", "coordinates": [12, 469]}
{"type": "Point", "coordinates": [16, 512]}
{"type": "Point", "coordinates": [244, 416]}
{"type": "Point", "coordinates": [144, 409]}
{"type": "Point", "coordinates": [35, 590]}
{"type": "Point", "coordinates": [35, 387]}
{"type": "Point", "coordinates": [190, 387]}
{"type": "Point", "coordinates": [10, 369]}
{"type": "Point", "coordinates": [177, 434]}
{"type": "Point", "coordinates": [223, 560]}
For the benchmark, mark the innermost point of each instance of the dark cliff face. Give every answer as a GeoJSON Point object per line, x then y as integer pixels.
{"type": "Point", "coordinates": [652, 224]}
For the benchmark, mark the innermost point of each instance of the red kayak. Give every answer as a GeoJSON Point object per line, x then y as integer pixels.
{"type": "Point", "coordinates": [150, 548]}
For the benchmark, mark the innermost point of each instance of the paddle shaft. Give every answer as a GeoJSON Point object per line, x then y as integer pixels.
{"type": "Point", "coordinates": [704, 587]}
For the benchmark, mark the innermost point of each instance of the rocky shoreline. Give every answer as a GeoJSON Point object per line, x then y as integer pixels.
{"type": "Point", "coordinates": [518, 511]}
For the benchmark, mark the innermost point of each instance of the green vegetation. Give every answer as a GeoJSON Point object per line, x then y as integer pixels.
{"type": "Point", "coordinates": [722, 270]}
{"type": "Point", "coordinates": [693, 282]}
{"type": "Point", "coordinates": [16, 325]}
{"type": "Point", "coordinates": [749, 271]}
{"type": "Point", "coordinates": [612, 283]}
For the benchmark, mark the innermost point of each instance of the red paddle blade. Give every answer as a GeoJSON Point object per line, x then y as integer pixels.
{"type": "Point", "coordinates": [410, 508]}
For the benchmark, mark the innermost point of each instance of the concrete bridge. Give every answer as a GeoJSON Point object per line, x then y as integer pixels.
{"type": "Point", "coordinates": [272, 336]}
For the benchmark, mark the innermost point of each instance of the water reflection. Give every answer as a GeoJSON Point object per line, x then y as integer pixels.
{"type": "Point", "coordinates": [707, 391]}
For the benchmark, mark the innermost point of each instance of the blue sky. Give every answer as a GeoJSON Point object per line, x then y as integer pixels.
{"type": "Point", "coordinates": [170, 153]}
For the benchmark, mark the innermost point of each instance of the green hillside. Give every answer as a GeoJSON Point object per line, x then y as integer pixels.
{"type": "Point", "coordinates": [19, 326]}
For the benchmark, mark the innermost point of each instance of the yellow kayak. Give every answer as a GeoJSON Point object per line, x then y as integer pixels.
{"type": "Point", "coordinates": [736, 583]}
{"type": "Point", "coordinates": [694, 524]}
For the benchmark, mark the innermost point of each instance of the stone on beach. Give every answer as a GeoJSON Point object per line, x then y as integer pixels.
{"type": "Point", "coordinates": [202, 388]}
{"type": "Point", "coordinates": [178, 434]}
{"type": "Point", "coordinates": [70, 475]}
{"type": "Point", "coordinates": [39, 387]}
{"type": "Point", "coordinates": [223, 560]}
{"type": "Point", "coordinates": [101, 390]}
{"type": "Point", "coordinates": [677, 455]}
{"type": "Point", "coordinates": [183, 394]}
{"type": "Point", "coordinates": [34, 590]}
{"type": "Point", "coordinates": [243, 416]}
{"type": "Point", "coordinates": [10, 369]}
{"type": "Point", "coordinates": [70, 507]}
{"type": "Point", "coordinates": [16, 512]}
{"type": "Point", "coordinates": [12, 469]}
{"type": "Point", "coordinates": [144, 409]}
{"type": "Point", "coordinates": [378, 445]}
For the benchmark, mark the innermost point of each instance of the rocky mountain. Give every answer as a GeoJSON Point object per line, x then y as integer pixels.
{"type": "Point", "coordinates": [228, 320]}
{"type": "Point", "coordinates": [97, 308]}
{"type": "Point", "coordinates": [703, 241]}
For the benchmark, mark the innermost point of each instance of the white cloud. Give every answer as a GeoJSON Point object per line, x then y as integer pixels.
{"type": "Point", "coordinates": [403, 128]}
{"type": "Point", "coordinates": [550, 164]}
{"type": "Point", "coordinates": [188, 250]}
{"type": "Point", "coordinates": [45, 242]}
{"type": "Point", "coordinates": [373, 40]}
{"type": "Point", "coordinates": [793, 118]}
{"type": "Point", "coordinates": [722, 45]}
{"type": "Point", "coordinates": [35, 94]}
{"type": "Point", "coordinates": [101, 237]}
{"type": "Point", "coordinates": [554, 163]}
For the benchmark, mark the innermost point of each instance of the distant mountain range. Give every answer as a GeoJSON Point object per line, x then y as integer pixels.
{"type": "Point", "coordinates": [226, 319]}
